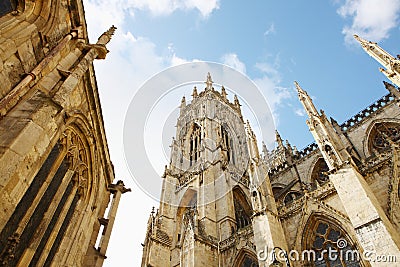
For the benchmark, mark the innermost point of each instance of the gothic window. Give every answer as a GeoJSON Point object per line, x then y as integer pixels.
{"type": "Point", "coordinates": [380, 133]}
{"type": "Point", "coordinates": [194, 146]}
{"type": "Point", "coordinates": [246, 259]}
{"type": "Point", "coordinates": [318, 175]}
{"type": "Point", "coordinates": [62, 179]}
{"type": "Point", "coordinates": [276, 191]}
{"type": "Point", "coordinates": [242, 209]}
{"type": "Point", "coordinates": [6, 6]}
{"type": "Point", "coordinates": [227, 143]}
{"type": "Point", "coordinates": [331, 246]}
{"type": "Point", "coordinates": [248, 262]}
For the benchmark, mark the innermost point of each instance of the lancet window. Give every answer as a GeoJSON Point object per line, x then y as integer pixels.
{"type": "Point", "coordinates": [195, 144]}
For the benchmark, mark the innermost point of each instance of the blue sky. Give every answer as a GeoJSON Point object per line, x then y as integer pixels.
{"type": "Point", "coordinates": [273, 42]}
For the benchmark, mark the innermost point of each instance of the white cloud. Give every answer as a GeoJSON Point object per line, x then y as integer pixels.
{"type": "Point", "coordinates": [155, 7]}
{"type": "Point", "coordinates": [270, 30]}
{"type": "Point", "coordinates": [300, 112]}
{"type": "Point", "coordinates": [206, 7]}
{"type": "Point", "coordinates": [371, 19]}
{"type": "Point", "coordinates": [269, 84]}
{"type": "Point", "coordinates": [233, 61]}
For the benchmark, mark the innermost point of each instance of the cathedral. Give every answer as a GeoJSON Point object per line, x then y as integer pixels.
{"type": "Point", "coordinates": [57, 179]}
{"type": "Point", "coordinates": [333, 203]}
{"type": "Point", "coordinates": [223, 202]}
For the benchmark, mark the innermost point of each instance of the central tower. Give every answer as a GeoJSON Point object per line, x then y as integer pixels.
{"type": "Point", "coordinates": [213, 189]}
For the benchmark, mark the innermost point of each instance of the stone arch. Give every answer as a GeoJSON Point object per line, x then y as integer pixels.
{"type": "Point", "coordinates": [374, 141]}
{"type": "Point", "coordinates": [245, 258]}
{"type": "Point", "coordinates": [185, 213]}
{"type": "Point", "coordinates": [291, 196]}
{"type": "Point", "coordinates": [318, 176]}
{"type": "Point", "coordinates": [243, 210]}
{"type": "Point", "coordinates": [277, 189]}
{"type": "Point", "coordinates": [324, 233]}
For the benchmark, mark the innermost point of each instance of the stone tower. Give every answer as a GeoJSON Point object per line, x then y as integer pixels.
{"type": "Point", "coordinates": [56, 173]}
{"type": "Point", "coordinates": [215, 191]}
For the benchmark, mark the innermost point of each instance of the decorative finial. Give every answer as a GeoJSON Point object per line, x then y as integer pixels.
{"type": "Point", "coordinates": [299, 89]}
{"type": "Point", "coordinates": [183, 102]}
{"type": "Point", "coordinates": [194, 94]}
{"type": "Point", "coordinates": [106, 36]}
{"type": "Point", "coordinates": [223, 92]}
{"type": "Point", "coordinates": [236, 101]}
{"type": "Point", "coordinates": [288, 144]}
{"type": "Point", "coordinates": [209, 82]}
{"type": "Point", "coordinates": [392, 89]}
{"type": "Point", "coordinates": [278, 139]}
{"type": "Point", "coordinates": [362, 41]}
{"type": "Point", "coordinates": [264, 149]}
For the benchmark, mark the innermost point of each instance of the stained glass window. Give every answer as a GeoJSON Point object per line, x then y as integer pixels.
{"type": "Point", "coordinates": [380, 134]}
{"type": "Point", "coordinates": [332, 248]}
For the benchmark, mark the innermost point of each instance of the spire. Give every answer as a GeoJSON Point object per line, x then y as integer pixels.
{"type": "Point", "coordinates": [264, 149]}
{"type": "Point", "coordinates": [183, 104]}
{"type": "Point", "coordinates": [223, 92]}
{"type": "Point", "coordinates": [194, 94]}
{"type": "Point", "coordinates": [106, 36]}
{"type": "Point", "coordinates": [306, 100]}
{"type": "Point", "coordinates": [209, 82]}
{"type": "Point", "coordinates": [252, 142]}
{"type": "Point", "coordinates": [391, 64]}
{"type": "Point", "coordinates": [278, 139]}
{"type": "Point", "coordinates": [288, 146]}
{"type": "Point", "coordinates": [328, 140]}
{"type": "Point", "coordinates": [236, 101]}
{"type": "Point", "coordinates": [295, 151]}
{"type": "Point", "coordinates": [392, 89]}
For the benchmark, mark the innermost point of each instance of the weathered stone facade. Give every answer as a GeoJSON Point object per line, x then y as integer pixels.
{"type": "Point", "coordinates": [340, 193]}
{"type": "Point", "coordinates": [56, 173]}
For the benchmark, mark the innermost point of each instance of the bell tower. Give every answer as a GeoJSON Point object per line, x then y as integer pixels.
{"type": "Point", "coordinates": [206, 208]}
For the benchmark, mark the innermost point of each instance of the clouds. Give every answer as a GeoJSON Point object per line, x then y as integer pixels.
{"type": "Point", "coordinates": [232, 60]}
{"type": "Point", "coordinates": [371, 19]}
{"type": "Point", "coordinates": [120, 8]}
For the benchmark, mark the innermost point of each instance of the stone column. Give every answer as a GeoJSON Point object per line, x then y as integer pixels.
{"type": "Point", "coordinates": [117, 190]}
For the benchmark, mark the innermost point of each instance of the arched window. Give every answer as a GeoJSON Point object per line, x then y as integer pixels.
{"type": "Point", "coordinates": [195, 141]}
{"type": "Point", "coordinates": [380, 133]}
{"type": "Point", "coordinates": [329, 246]}
{"type": "Point", "coordinates": [318, 175]}
{"type": "Point", "coordinates": [243, 210]}
{"type": "Point", "coordinates": [246, 259]}
{"type": "Point", "coordinates": [227, 143]}
{"type": "Point", "coordinates": [276, 191]}
{"type": "Point", "coordinates": [291, 196]}
{"type": "Point", "coordinates": [248, 262]}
